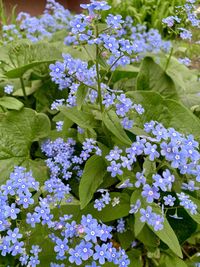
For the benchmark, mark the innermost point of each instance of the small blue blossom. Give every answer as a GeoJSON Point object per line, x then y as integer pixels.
{"type": "Point", "coordinates": [150, 193]}
{"type": "Point", "coordinates": [126, 123]}
{"type": "Point", "coordinates": [151, 151]}
{"type": "Point", "coordinates": [114, 21]}
{"type": "Point", "coordinates": [61, 246]}
{"type": "Point", "coordinates": [13, 236]}
{"type": "Point", "coordinates": [121, 226]}
{"type": "Point", "coordinates": [100, 253]}
{"type": "Point", "coordinates": [169, 200]}
{"type": "Point", "coordinates": [135, 207]}
{"type": "Point", "coordinates": [59, 125]}
{"type": "Point", "coordinates": [8, 89]}
{"type": "Point", "coordinates": [114, 168]}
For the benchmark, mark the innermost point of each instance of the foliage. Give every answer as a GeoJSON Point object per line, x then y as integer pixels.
{"type": "Point", "coordinates": [99, 126]}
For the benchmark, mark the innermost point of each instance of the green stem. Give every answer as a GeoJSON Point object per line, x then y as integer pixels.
{"type": "Point", "coordinates": [98, 80]}
{"type": "Point", "coordinates": [89, 86]}
{"type": "Point", "coordinates": [23, 89]}
{"type": "Point", "coordinates": [169, 58]}
{"type": "Point", "coordinates": [98, 74]}
{"type": "Point", "coordinates": [3, 109]}
{"type": "Point", "coordinates": [112, 66]}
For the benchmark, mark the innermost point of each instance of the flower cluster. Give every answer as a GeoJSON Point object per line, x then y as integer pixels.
{"type": "Point", "coordinates": [181, 153]}
{"type": "Point", "coordinates": [15, 196]}
{"type": "Point", "coordinates": [92, 238]}
{"type": "Point", "coordinates": [54, 18]}
{"type": "Point", "coordinates": [186, 15]}
{"type": "Point", "coordinates": [63, 162]}
{"type": "Point", "coordinates": [92, 243]}
{"type": "Point", "coordinates": [120, 42]}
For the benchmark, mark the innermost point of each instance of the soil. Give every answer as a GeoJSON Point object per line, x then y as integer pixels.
{"type": "Point", "coordinates": [36, 7]}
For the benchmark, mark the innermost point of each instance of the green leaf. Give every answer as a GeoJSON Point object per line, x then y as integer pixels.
{"type": "Point", "coordinates": [23, 55]}
{"type": "Point", "coordinates": [167, 235]}
{"type": "Point", "coordinates": [93, 173]}
{"type": "Point", "coordinates": [135, 258]}
{"type": "Point", "coordinates": [127, 72]}
{"type": "Point", "coordinates": [171, 261]}
{"type": "Point", "coordinates": [153, 77]}
{"type": "Point", "coordinates": [195, 217]}
{"type": "Point", "coordinates": [35, 85]}
{"type": "Point", "coordinates": [42, 240]}
{"type": "Point", "coordinates": [11, 103]}
{"type": "Point", "coordinates": [19, 72]}
{"type": "Point", "coordinates": [111, 212]}
{"type": "Point", "coordinates": [169, 112]}
{"type": "Point", "coordinates": [18, 130]}
{"type": "Point", "coordinates": [113, 124]}
{"type": "Point", "coordinates": [81, 118]}
{"type": "Point", "coordinates": [138, 225]}
{"type": "Point", "coordinates": [46, 95]}
{"type": "Point", "coordinates": [148, 237]}
{"type": "Point", "coordinates": [126, 239]}
{"type": "Point", "coordinates": [175, 81]}
{"type": "Point", "coordinates": [80, 96]}
{"type": "Point", "coordinates": [185, 227]}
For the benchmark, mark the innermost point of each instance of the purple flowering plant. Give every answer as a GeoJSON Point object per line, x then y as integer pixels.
{"type": "Point", "coordinates": [99, 159]}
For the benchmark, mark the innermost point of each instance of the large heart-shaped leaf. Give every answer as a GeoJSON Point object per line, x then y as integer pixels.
{"type": "Point", "coordinates": [168, 77]}
{"type": "Point", "coordinates": [18, 130]}
{"type": "Point", "coordinates": [169, 112]}
{"type": "Point", "coordinates": [93, 173]}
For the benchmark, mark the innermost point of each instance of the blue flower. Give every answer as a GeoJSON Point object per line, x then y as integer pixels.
{"type": "Point", "coordinates": [114, 168]}
{"type": "Point", "coordinates": [135, 207]}
{"type": "Point", "coordinates": [85, 250]}
{"type": "Point", "coordinates": [101, 253]}
{"type": "Point", "coordinates": [59, 125]}
{"type": "Point", "coordinates": [11, 211]}
{"type": "Point", "coordinates": [95, 5]}
{"type": "Point", "coordinates": [141, 180]}
{"type": "Point", "coordinates": [150, 193]}
{"type": "Point", "coordinates": [24, 259]}
{"type": "Point", "coordinates": [8, 89]}
{"type": "Point", "coordinates": [114, 154]}
{"type": "Point", "coordinates": [92, 232]}
{"type": "Point", "coordinates": [121, 226]}
{"type": "Point", "coordinates": [5, 247]}
{"type": "Point", "coordinates": [146, 214]}
{"type": "Point", "coordinates": [99, 204]}
{"type": "Point", "coordinates": [160, 182]}
{"type": "Point", "coordinates": [156, 221]}
{"type": "Point", "coordinates": [151, 151]}
{"type": "Point", "coordinates": [33, 261]}
{"type": "Point", "coordinates": [169, 200]}
{"type": "Point", "coordinates": [189, 186]}
{"type": "Point", "coordinates": [187, 203]}
{"type": "Point", "coordinates": [185, 34]}
{"type": "Point", "coordinates": [75, 256]}
{"type": "Point", "coordinates": [13, 236]}
{"type": "Point", "coordinates": [114, 21]}
{"type": "Point", "coordinates": [32, 219]}
{"type": "Point", "coordinates": [78, 24]}
{"type": "Point", "coordinates": [17, 248]}
{"type": "Point", "coordinates": [61, 246]}
{"type": "Point", "coordinates": [126, 123]}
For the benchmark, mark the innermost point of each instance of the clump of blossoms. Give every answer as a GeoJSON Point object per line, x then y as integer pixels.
{"type": "Point", "coordinates": [87, 241]}
{"type": "Point", "coordinates": [54, 18]}
{"type": "Point", "coordinates": [101, 172]}
{"type": "Point", "coordinates": [119, 43]}
{"type": "Point", "coordinates": [186, 15]}
{"type": "Point", "coordinates": [177, 152]}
